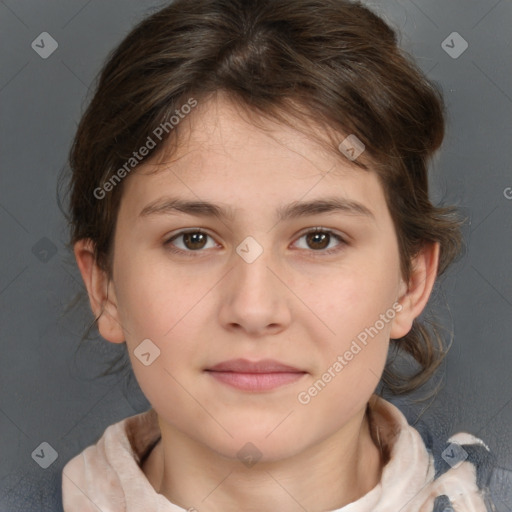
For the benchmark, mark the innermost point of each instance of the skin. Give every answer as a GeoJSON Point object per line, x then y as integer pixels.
{"type": "Point", "coordinates": [294, 303]}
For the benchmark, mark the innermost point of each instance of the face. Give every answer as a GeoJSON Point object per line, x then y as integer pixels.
{"type": "Point", "coordinates": [255, 282]}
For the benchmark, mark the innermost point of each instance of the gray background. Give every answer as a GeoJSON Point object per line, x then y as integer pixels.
{"type": "Point", "coordinates": [48, 392]}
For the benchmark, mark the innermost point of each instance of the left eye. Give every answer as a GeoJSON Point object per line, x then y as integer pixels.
{"type": "Point", "coordinates": [320, 239]}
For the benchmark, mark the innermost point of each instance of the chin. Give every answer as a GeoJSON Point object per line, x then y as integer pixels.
{"type": "Point", "coordinates": [254, 445]}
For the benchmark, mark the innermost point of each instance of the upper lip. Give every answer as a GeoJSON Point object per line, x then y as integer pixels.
{"type": "Point", "coordinates": [246, 366]}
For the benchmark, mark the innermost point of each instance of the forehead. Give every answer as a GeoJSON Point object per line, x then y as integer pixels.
{"type": "Point", "coordinates": [223, 155]}
{"type": "Point", "coordinates": [219, 131]}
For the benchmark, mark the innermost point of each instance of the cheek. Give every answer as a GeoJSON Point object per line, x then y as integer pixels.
{"type": "Point", "coordinates": [156, 299]}
{"type": "Point", "coordinates": [165, 305]}
{"type": "Point", "coordinates": [357, 305]}
{"type": "Point", "coordinates": [353, 297]}
{"type": "Point", "coordinates": [166, 309]}
{"type": "Point", "coordinates": [351, 360]}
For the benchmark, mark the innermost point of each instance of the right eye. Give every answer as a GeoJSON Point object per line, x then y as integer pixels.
{"type": "Point", "coordinates": [192, 240]}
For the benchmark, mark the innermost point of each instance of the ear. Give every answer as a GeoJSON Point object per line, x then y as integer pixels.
{"type": "Point", "coordinates": [101, 292]}
{"type": "Point", "coordinates": [415, 293]}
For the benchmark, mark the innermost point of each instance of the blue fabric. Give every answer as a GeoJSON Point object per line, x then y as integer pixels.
{"type": "Point", "coordinates": [442, 504]}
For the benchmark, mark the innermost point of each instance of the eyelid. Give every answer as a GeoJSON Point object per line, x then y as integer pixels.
{"type": "Point", "coordinates": [321, 229]}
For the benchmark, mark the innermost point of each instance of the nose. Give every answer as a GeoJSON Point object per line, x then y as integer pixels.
{"type": "Point", "coordinates": [255, 298]}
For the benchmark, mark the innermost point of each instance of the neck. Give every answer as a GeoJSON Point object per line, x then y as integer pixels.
{"type": "Point", "coordinates": [331, 474]}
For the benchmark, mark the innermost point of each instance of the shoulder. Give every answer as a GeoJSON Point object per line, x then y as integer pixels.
{"type": "Point", "coordinates": [104, 470]}
{"type": "Point", "coordinates": [458, 470]}
{"type": "Point", "coordinates": [465, 470]}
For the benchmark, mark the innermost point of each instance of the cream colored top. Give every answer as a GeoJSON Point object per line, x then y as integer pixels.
{"type": "Point", "coordinates": [107, 476]}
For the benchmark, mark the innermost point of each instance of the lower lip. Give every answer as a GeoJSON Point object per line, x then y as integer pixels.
{"type": "Point", "coordinates": [256, 381]}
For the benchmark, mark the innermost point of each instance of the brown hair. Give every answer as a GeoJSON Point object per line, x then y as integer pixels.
{"type": "Point", "coordinates": [325, 62]}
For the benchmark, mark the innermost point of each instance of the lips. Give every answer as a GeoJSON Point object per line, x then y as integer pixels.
{"type": "Point", "coordinates": [245, 366]}
{"type": "Point", "coordinates": [254, 376]}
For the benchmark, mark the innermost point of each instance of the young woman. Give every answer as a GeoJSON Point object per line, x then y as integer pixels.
{"type": "Point", "coordinates": [251, 217]}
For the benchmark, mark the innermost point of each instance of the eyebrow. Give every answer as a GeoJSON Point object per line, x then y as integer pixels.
{"type": "Point", "coordinates": [169, 206]}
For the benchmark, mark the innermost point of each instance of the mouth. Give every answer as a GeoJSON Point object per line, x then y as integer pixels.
{"type": "Point", "coordinates": [263, 375]}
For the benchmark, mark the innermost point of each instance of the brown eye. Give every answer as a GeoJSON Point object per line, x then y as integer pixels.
{"type": "Point", "coordinates": [321, 240]}
{"type": "Point", "coordinates": [189, 242]}
{"type": "Point", "coordinates": [194, 240]}
{"type": "Point", "coordinates": [318, 240]}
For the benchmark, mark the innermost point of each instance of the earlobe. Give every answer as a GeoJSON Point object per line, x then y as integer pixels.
{"type": "Point", "coordinates": [418, 289]}
{"type": "Point", "coordinates": [101, 292]}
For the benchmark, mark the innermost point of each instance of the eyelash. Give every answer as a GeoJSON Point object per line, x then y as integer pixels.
{"type": "Point", "coordinates": [193, 254]}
